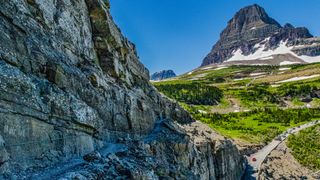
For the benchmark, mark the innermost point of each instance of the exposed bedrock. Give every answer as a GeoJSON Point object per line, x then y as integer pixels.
{"type": "Point", "coordinates": [70, 83]}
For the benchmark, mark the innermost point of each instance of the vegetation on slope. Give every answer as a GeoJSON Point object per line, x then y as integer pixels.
{"type": "Point", "coordinates": [306, 147]}
{"type": "Point", "coordinates": [257, 126]}
{"type": "Point", "coordinates": [192, 93]}
{"type": "Point", "coordinates": [254, 105]}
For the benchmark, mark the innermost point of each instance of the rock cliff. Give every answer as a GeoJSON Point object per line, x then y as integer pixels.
{"type": "Point", "coordinates": [252, 35]}
{"type": "Point", "coordinates": [164, 74]}
{"type": "Point", "coordinates": [71, 85]}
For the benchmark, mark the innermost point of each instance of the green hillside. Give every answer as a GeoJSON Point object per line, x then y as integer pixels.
{"type": "Point", "coordinates": [250, 103]}
{"type": "Point", "coordinates": [306, 147]}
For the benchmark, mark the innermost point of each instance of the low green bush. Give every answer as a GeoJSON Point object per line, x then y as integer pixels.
{"type": "Point", "coordinates": [306, 147]}
{"type": "Point", "coordinates": [193, 93]}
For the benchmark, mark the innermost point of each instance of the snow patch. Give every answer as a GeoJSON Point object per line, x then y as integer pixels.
{"type": "Point", "coordinates": [262, 64]}
{"type": "Point", "coordinates": [222, 67]}
{"type": "Point", "coordinates": [284, 69]}
{"type": "Point", "coordinates": [266, 58]}
{"type": "Point", "coordinates": [201, 75]}
{"type": "Point", "coordinates": [257, 74]}
{"type": "Point", "coordinates": [206, 68]}
{"type": "Point", "coordinates": [261, 54]}
{"type": "Point", "coordinates": [287, 63]}
{"type": "Point", "coordinates": [299, 78]}
{"type": "Point", "coordinates": [310, 59]}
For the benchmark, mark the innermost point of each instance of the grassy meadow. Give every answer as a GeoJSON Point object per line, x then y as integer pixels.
{"type": "Point", "coordinates": [253, 104]}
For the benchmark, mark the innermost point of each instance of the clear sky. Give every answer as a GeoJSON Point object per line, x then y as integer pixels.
{"type": "Point", "coordinates": [178, 34]}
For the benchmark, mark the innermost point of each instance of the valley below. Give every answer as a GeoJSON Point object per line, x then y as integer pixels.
{"type": "Point", "coordinates": [258, 107]}
{"type": "Point", "coordinates": [76, 103]}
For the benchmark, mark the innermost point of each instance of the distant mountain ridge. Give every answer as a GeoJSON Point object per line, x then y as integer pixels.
{"type": "Point", "coordinates": [251, 36]}
{"type": "Point", "coordinates": [164, 74]}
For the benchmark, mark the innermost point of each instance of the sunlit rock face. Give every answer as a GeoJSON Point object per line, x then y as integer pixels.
{"type": "Point", "coordinates": [70, 84]}
{"type": "Point", "coordinates": [252, 35]}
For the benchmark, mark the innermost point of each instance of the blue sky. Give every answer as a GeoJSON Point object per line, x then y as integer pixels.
{"type": "Point", "coordinates": [178, 34]}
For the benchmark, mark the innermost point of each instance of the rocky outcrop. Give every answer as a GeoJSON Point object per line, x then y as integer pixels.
{"type": "Point", "coordinates": [190, 151]}
{"type": "Point", "coordinates": [164, 74]}
{"type": "Point", "coordinates": [71, 84]}
{"type": "Point", "coordinates": [309, 47]}
{"type": "Point", "coordinates": [252, 30]}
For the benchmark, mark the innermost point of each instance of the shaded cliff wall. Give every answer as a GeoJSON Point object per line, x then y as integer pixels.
{"type": "Point", "coordinates": [66, 83]}
{"type": "Point", "coordinates": [70, 82]}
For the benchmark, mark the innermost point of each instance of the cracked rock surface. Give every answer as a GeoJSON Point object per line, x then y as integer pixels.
{"type": "Point", "coordinates": [72, 85]}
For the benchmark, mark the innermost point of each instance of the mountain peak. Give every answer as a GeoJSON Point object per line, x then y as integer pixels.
{"type": "Point", "coordinates": [250, 29]}
{"type": "Point", "coordinates": [164, 74]}
{"type": "Point", "coordinates": [255, 13]}
{"type": "Point", "coordinates": [248, 18]}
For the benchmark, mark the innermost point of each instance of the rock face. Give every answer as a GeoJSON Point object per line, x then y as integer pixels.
{"type": "Point", "coordinates": [164, 74]}
{"type": "Point", "coordinates": [190, 151]}
{"type": "Point", "coordinates": [251, 34]}
{"type": "Point", "coordinates": [71, 84]}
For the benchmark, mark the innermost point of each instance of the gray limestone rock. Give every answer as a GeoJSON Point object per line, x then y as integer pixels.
{"type": "Point", "coordinates": [71, 83]}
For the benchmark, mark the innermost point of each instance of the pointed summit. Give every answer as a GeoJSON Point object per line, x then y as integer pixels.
{"type": "Point", "coordinates": [252, 29]}
{"type": "Point", "coordinates": [248, 18]}
{"type": "Point", "coordinates": [255, 13]}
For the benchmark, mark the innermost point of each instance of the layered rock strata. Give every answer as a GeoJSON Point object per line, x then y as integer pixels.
{"type": "Point", "coordinates": [71, 84]}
